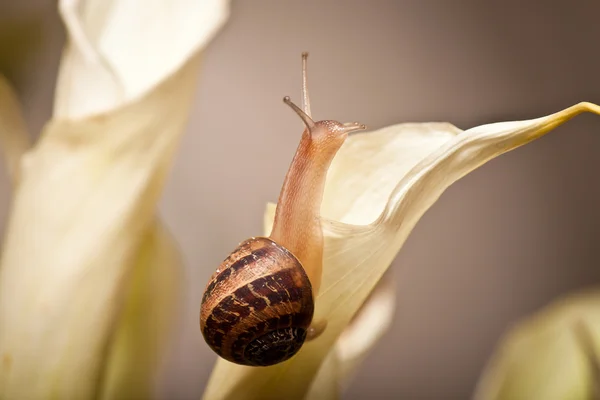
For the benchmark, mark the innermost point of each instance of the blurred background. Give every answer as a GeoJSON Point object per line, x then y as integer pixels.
{"type": "Point", "coordinates": [497, 246]}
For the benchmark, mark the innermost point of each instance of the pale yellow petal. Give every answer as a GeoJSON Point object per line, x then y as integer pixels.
{"type": "Point", "coordinates": [326, 385]}
{"type": "Point", "coordinates": [356, 256]}
{"type": "Point", "coordinates": [14, 139]}
{"type": "Point", "coordinates": [550, 355]}
{"type": "Point", "coordinates": [369, 165]}
{"type": "Point", "coordinates": [88, 193]}
{"type": "Point", "coordinates": [368, 326]}
{"type": "Point", "coordinates": [86, 199]}
{"type": "Point", "coordinates": [118, 50]}
{"type": "Point", "coordinates": [147, 319]}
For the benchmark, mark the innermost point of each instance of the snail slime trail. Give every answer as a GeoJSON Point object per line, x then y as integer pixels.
{"type": "Point", "coordinates": [259, 304]}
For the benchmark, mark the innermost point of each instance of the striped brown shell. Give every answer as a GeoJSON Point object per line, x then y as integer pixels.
{"type": "Point", "coordinates": [258, 305]}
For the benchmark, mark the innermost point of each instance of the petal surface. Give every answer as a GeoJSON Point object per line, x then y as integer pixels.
{"type": "Point", "coordinates": [87, 197]}
{"type": "Point", "coordinates": [86, 203]}
{"type": "Point", "coordinates": [553, 354]}
{"type": "Point", "coordinates": [147, 320]}
{"type": "Point", "coordinates": [119, 50]}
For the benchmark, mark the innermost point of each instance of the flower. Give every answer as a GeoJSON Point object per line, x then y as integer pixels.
{"type": "Point", "coordinates": [552, 354]}
{"type": "Point", "coordinates": [378, 187]}
{"type": "Point", "coordinates": [88, 274]}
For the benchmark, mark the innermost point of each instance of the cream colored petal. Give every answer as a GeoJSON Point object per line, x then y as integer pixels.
{"type": "Point", "coordinates": [550, 355]}
{"type": "Point", "coordinates": [367, 327]}
{"type": "Point", "coordinates": [147, 320]}
{"type": "Point", "coordinates": [118, 50]}
{"type": "Point", "coordinates": [88, 193]}
{"type": "Point", "coordinates": [14, 139]}
{"type": "Point", "coordinates": [326, 385]}
{"type": "Point", "coordinates": [86, 199]}
{"type": "Point", "coordinates": [356, 256]}
{"type": "Point", "coordinates": [369, 165]}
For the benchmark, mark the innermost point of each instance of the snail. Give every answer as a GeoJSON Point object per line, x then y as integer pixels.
{"type": "Point", "coordinates": [258, 306]}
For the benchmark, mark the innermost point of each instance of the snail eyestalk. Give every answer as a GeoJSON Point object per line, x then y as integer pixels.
{"type": "Point", "coordinates": [305, 98]}
{"type": "Point", "coordinates": [310, 124]}
{"type": "Point", "coordinates": [353, 127]}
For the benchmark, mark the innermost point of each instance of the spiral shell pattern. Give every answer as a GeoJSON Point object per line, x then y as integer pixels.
{"type": "Point", "coordinates": [258, 305]}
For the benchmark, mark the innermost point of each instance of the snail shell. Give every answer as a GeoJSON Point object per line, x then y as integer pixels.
{"type": "Point", "coordinates": [258, 305]}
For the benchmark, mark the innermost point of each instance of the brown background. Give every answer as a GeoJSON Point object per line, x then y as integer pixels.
{"type": "Point", "coordinates": [498, 245]}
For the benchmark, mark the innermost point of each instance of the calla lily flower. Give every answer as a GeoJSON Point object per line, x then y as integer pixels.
{"type": "Point", "coordinates": [89, 276]}
{"type": "Point", "coordinates": [553, 354]}
{"type": "Point", "coordinates": [378, 187]}
{"type": "Point", "coordinates": [88, 273]}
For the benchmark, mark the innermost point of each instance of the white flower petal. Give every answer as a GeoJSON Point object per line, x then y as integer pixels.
{"type": "Point", "coordinates": [550, 355]}
{"type": "Point", "coordinates": [369, 325]}
{"type": "Point", "coordinates": [86, 199]}
{"type": "Point", "coordinates": [119, 50]}
{"type": "Point", "coordinates": [88, 193]}
{"type": "Point", "coordinates": [368, 166]}
{"type": "Point", "coordinates": [147, 319]}
{"type": "Point", "coordinates": [326, 385]}
{"type": "Point", "coordinates": [356, 256]}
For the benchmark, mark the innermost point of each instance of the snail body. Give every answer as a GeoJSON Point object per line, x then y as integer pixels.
{"type": "Point", "coordinates": [258, 306]}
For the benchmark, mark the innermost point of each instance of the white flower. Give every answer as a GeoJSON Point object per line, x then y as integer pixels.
{"type": "Point", "coordinates": [553, 354]}
{"type": "Point", "coordinates": [88, 275]}
{"type": "Point", "coordinates": [378, 187]}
